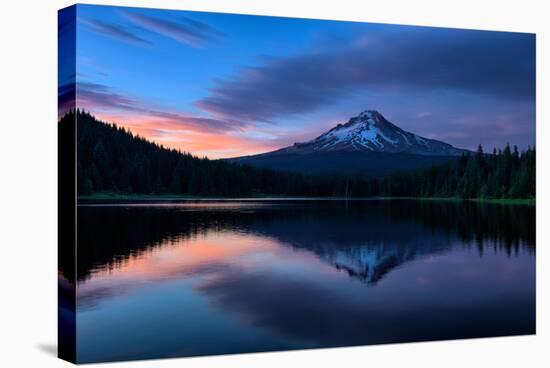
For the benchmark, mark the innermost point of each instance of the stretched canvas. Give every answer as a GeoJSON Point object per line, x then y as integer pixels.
{"type": "Point", "coordinates": [234, 183]}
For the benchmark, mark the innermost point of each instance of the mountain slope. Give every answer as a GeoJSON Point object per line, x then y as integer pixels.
{"type": "Point", "coordinates": [370, 131]}
{"type": "Point", "coordinates": [365, 164]}
{"type": "Point", "coordinates": [367, 145]}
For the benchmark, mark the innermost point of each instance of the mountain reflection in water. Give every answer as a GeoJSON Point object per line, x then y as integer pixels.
{"type": "Point", "coordinates": [223, 277]}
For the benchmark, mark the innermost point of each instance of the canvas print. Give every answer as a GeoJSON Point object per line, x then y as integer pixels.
{"type": "Point", "coordinates": [235, 183]}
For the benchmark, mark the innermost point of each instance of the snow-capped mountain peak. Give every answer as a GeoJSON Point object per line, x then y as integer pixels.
{"type": "Point", "coordinates": [370, 131]}
{"type": "Point", "coordinates": [365, 130]}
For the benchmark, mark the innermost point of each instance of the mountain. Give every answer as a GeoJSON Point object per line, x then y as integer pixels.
{"type": "Point", "coordinates": [368, 145]}
{"type": "Point", "coordinates": [370, 131]}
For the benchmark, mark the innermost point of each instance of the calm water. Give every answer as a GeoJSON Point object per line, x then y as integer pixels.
{"type": "Point", "coordinates": [199, 278]}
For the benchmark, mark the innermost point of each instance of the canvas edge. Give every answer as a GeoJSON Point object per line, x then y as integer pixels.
{"type": "Point", "coordinates": [66, 160]}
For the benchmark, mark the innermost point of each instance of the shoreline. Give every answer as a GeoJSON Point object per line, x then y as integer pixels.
{"type": "Point", "coordinates": [98, 198]}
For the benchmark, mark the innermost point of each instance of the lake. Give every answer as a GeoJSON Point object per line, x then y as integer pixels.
{"type": "Point", "coordinates": [191, 278]}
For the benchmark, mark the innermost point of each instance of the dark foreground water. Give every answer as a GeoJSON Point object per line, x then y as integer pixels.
{"type": "Point", "coordinates": [195, 278]}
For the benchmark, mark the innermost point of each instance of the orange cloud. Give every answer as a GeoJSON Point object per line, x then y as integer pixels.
{"type": "Point", "coordinates": [200, 142]}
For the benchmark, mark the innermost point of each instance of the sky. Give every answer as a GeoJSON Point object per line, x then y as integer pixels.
{"type": "Point", "coordinates": [226, 85]}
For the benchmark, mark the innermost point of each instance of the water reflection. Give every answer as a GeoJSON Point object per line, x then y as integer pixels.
{"type": "Point", "coordinates": [270, 276]}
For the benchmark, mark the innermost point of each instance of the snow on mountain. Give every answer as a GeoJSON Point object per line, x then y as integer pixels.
{"type": "Point", "coordinates": [370, 131]}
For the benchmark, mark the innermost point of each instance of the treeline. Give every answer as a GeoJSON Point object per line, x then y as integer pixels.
{"type": "Point", "coordinates": [111, 158]}
{"type": "Point", "coordinates": [505, 173]}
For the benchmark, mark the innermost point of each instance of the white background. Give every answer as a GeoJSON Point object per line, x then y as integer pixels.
{"type": "Point", "coordinates": [28, 182]}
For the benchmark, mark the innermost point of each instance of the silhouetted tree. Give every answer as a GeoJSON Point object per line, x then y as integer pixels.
{"type": "Point", "coordinates": [110, 158]}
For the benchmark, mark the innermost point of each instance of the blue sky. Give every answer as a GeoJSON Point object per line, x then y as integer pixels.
{"type": "Point", "coordinates": [225, 85]}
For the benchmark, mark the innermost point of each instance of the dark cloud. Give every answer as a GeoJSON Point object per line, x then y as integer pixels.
{"type": "Point", "coordinates": [495, 64]}
{"type": "Point", "coordinates": [181, 29]}
{"type": "Point", "coordinates": [97, 95]}
{"type": "Point", "coordinates": [93, 96]}
{"type": "Point", "coordinates": [116, 31]}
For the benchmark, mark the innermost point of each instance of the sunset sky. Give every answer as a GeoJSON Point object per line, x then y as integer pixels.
{"type": "Point", "coordinates": [226, 85]}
